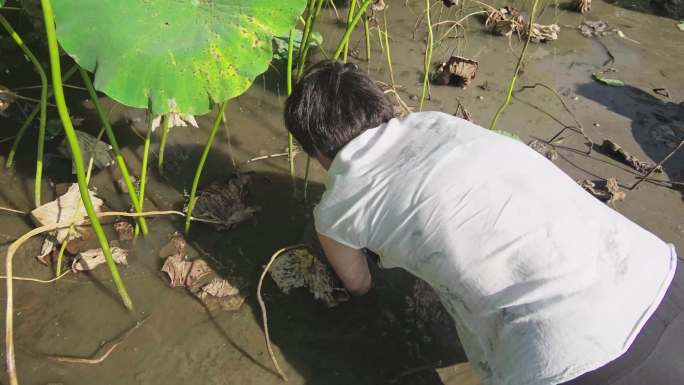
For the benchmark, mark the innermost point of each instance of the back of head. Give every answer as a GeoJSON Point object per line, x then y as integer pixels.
{"type": "Point", "coordinates": [332, 104]}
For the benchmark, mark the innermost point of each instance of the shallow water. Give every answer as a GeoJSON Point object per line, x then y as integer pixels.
{"type": "Point", "coordinates": [369, 340]}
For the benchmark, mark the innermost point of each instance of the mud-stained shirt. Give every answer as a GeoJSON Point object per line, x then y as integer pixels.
{"type": "Point", "coordinates": [544, 282]}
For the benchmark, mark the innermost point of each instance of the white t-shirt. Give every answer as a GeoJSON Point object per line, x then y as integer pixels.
{"type": "Point", "coordinates": [544, 281]}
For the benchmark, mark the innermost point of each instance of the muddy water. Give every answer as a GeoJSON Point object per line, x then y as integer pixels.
{"type": "Point", "coordinates": [369, 340]}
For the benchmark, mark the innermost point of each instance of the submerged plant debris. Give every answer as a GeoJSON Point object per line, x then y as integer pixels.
{"type": "Point", "coordinates": [505, 21]}
{"type": "Point", "coordinates": [607, 81]}
{"type": "Point", "coordinates": [91, 147]}
{"type": "Point", "coordinates": [457, 71]}
{"type": "Point", "coordinates": [607, 191]}
{"type": "Point", "coordinates": [215, 293]}
{"type": "Point", "coordinates": [90, 259]}
{"type": "Point", "coordinates": [543, 33]}
{"type": "Point", "coordinates": [597, 28]}
{"type": "Point", "coordinates": [300, 268]}
{"type": "Point", "coordinates": [6, 99]}
{"type": "Point", "coordinates": [581, 6]}
{"type": "Point", "coordinates": [68, 207]}
{"type": "Point", "coordinates": [616, 152]}
{"type": "Point", "coordinates": [225, 203]}
{"type": "Point", "coordinates": [124, 230]}
{"type": "Point", "coordinates": [221, 294]}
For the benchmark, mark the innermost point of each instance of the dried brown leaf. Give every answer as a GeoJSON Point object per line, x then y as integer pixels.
{"type": "Point", "coordinates": [225, 202]}
{"type": "Point", "coordinates": [90, 259]}
{"type": "Point", "coordinates": [177, 269]}
{"type": "Point", "coordinates": [125, 230]}
{"type": "Point", "coordinates": [457, 71]}
{"type": "Point", "coordinates": [616, 152]}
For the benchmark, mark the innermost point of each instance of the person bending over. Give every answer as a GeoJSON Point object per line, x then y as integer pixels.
{"type": "Point", "coordinates": [545, 283]}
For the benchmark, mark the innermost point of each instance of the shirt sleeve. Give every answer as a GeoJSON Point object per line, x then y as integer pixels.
{"type": "Point", "coordinates": [336, 225]}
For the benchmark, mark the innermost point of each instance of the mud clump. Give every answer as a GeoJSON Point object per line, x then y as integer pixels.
{"type": "Point", "coordinates": [457, 71]}
{"type": "Point", "coordinates": [606, 191]}
{"type": "Point", "coordinates": [616, 152]}
{"type": "Point", "coordinates": [581, 6]}
{"type": "Point", "coordinates": [225, 203]}
{"type": "Point", "coordinates": [505, 21]}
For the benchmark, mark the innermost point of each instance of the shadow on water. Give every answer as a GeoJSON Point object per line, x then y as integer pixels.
{"type": "Point", "coordinates": [656, 124]}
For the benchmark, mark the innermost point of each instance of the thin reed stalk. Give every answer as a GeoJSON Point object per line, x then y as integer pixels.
{"type": "Point", "coordinates": [428, 56]}
{"type": "Point", "coordinates": [9, 163]}
{"type": "Point", "coordinates": [78, 162]}
{"type": "Point", "coordinates": [144, 167]}
{"type": "Point", "coordinates": [104, 118]}
{"type": "Point", "coordinates": [162, 143]}
{"type": "Point", "coordinates": [200, 166]}
{"type": "Point", "coordinates": [43, 107]}
{"type": "Point", "coordinates": [388, 53]}
{"type": "Point", "coordinates": [366, 33]}
{"type": "Point", "coordinates": [514, 78]}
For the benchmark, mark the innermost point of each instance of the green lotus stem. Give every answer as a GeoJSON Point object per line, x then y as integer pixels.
{"type": "Point", "coordinates": [143, 167]}
{"type": "Point", "coordinates": [387, 50]}
{"type": "Point", "coordinates": [22, 130]}
{"type": "Point", "coordinates": [115, 147]}
{"type": "Point", "coordinates": [306, 39]}
{"type": "Point", "coordinates": [428, 56]}
{"type": "Point", "coordinates": [514, 78]}
{"type": "Point", "coordinates": [310, 15]}
{"type": "Point", "coordinates": [350, 16]}
{"type": "Point", "coordinates": [366, 32]}
{"type": "Point", "coordinates": [350, 27]}
{"type": "Point", "coordinates": [162, 144]}
{"type": "Point", "coordinates": [290, 138]}
{"type": "Point", "coordinates": [200, 166]}
{"type": "Point", "coordinates": [43, 106]}
{"type": "Point", "coordinates": [76, 155]}
{"type": "Point", "coordinates": [303, 52]}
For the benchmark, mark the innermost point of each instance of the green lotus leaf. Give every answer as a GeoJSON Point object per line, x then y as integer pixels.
{"type": "Point", "coordinates": [2, 2]}
{"type": "Point", "coordinates": [173, 55]}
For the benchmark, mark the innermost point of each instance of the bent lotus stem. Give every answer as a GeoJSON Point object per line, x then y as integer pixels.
{"type": "Point", "coordinates": [200, 166]}
{"type": "Point", "coordinates": [350, 27]}
{"type": "Point", "coordinates": [43, 106]}
{"type": "Point", "coordinates": [78, 162]}
{"type": "Point", "coordinates": [29, 119]}
{"type": "Point", "coordinates": [514, 78]}
{"type": "Point", "coordinates": [115, 147]}
{"type": "Point", "coordinates": [162, 144]}
{"type": "Point", "coordinates": [143, 167]}
{"type": "Point", "coordinates": [428, 56]}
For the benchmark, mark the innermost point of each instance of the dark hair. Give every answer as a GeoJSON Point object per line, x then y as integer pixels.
{"type": "Point", "coordinates": [331, 105]}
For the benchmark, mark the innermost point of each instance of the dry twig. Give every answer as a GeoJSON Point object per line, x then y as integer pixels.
{"type": "Point", "coordinates": [105, 355]}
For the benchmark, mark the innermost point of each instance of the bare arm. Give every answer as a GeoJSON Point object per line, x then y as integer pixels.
{"type": "Point", "coordinates": [349, 264]}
